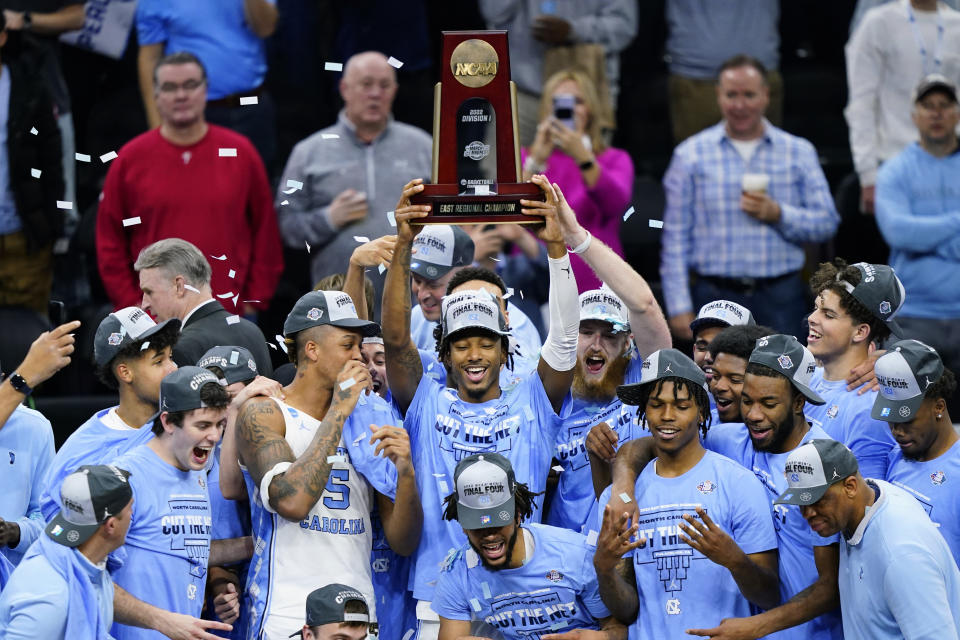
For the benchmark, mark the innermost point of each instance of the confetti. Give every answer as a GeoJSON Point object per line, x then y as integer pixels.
{"type": "Point", "coordinates": [63, 204]}
{"type": "Point", "coordinates": [232, 274]}
{"type": "Point", "coordinates": [396, 64]}
{"type": "Point", "coordinates": [108, 156]}
{"type": "Point", "coordinates": [82, 157]}
{"type": "Point", "coordinates": [335, 459]}
{"type": "Point", "coordinates": [226, 152]}
{"type": "Point", "coordinates": [486, 590]}
{"type": "Point", "coordinates": [287, 192]}
{"type": "Point", "coordinates": [295, 184]}
{"type": "Point", "coordinates": [509, 293]}
{"type": "Point", "coordinates": [251, 302]}
{"type": "Point", "coordinates": [414, 265]}
{"type": "Point", "coordinates": [34, 131]}
{"type": "Point", "coordinates": [224, 296]}
{"type": "Point", "coordinates": [279, 339]}
{"type": "Point", "coordinates": [234, 356]}
{"type": "Point", "coordinates": [285, 202]}
{"type": "Point", "coordinates": [272, 346]}
{"type": "Point", "coordinates": [381, 268]}
{"type": "Point", "coordinates": [625, 498]}
{"type": "Point", "coordinates": [333, 66]}
{"type": "Point", "coordinates": [475, 604]}
{"type": "Point", "coordinates": [361, 239]}
{"type": "Point", "coordinates": [521, 294]}
{"type": "Point", "coordinates": [235, 298]}
{"type": "Point", "coordinates": [234, 320]}
{"type": "Point", "coordinates": [592, 538]}
{"type": "Point", "coordinates": [145, 346]}
{"type": "Point", "coordinates": [628, 214]}
{"type": "Point", "coordinates": [61, 246]}
{"type": "Point", "coordinates": [329, 136]}
{"type": "Point", "coordinates": [391, 218]}
{"type": "Point", "coordinates": [129, 222]}
{"type": "Point", "coordinates": [346, 384]}
{"type": "Point", "coordinates": [220, 257]}
{"type": "Point", "coordinates": [656, 224]}
{"type": "Point", "coordinates": [495, 259]}
{"type": "Point", "coordinates": [190, 287]}
{"type": "Point", "coordinates": [245, 100]}
{"type": "Point", "coordinates": [308, 245]}
{"type": "Point", "coordinates": [35, 173]}
{"type": "Point", "coordinates": [557, 468]}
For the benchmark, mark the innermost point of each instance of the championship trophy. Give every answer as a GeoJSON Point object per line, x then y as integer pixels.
{"type": "Point", "coordinates": [476, 150]}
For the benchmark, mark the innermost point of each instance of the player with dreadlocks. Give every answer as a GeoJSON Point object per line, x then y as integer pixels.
{"type": "Point", "coordinates": [701, 546]}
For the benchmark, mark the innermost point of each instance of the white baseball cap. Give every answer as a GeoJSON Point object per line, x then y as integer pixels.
{"type": "Point", "coordinates": [606, 306]}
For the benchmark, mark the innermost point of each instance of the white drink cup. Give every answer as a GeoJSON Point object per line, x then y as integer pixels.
{"type": "Point", "coordinates": [755, 182]}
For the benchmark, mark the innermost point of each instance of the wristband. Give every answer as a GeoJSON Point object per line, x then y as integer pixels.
{"type": "Point", "coordinates": [583, 246]}
{"type": "Point", "coordinates": [19, 384]}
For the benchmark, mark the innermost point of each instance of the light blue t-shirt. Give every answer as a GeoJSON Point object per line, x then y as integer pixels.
{"type": "Point", "coordinates": [520, 425]}
{"type": "Point", "coordinates": [846, 418]}
{"type": "Point", "coordinates": [99, 440]}
{"type": "Point", "coordinates": [396, 607]}
{"type": "Point", "coordinates": [897, 576]}
{"type": "Point", "coordinates": [26, 452]}
{"type": "Point", "coordinates": [575, 496]}
{"type": "Point", "coordinates": [554, 591]}
{"type": "Point", "coordinates": [795, 538]}
{"type": "Point", "coordinates": [936, 484]}
{"type": "Point", "coordinates": [216, 32]}
{"type": "Point", "coordinates": [168, 543]}
{"type": "Point", "coordinates": [678, 587]}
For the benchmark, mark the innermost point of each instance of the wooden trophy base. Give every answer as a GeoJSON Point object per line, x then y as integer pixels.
{"type": "Point", "coordinates": [503, 206]}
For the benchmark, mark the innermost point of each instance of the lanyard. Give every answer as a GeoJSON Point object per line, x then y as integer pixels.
{"type": "Point", "coordinates": [937, 54]}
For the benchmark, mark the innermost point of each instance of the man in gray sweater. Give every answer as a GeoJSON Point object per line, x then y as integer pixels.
{"type": "Point", "coordinates": [340, 182]}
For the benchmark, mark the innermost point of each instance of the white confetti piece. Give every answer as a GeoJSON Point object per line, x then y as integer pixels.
{"type": "Point", "coordinates": [346, 384]}
{"type": "Point", "coordinates": [233, 319]}
{"type": "Point", "coordinates": [279, 339]}
{"type": "Point", "coordinates": [82, 157]}
{"type": "Point", "coordinates": [64, 204]}
{"type": "Point", "coordinates": [272, 346]}
{"type": "Point", "coordinates": [439, 475]}
{"type": "Point", "coordinates": [444, 488]}
{"type": "Point", "coordinates": [232, 274]}
{"type": "Point", "coordinates": [509, 293]}
{"type": "Point", "coordinates": [145, 346]}
{"type": "Point", "coordinates": [656, 224]}
{"type": "Point", "coordinates": [521, 294]}
{"type": "Point", "coordinates": [190, 287]}
{"type": "Point", "coordinates": [224, 296]}
{"type": "Point", "coordinates": [34, 131]}
{"type": "Point", "coordinates": [391, 218]}
{"type": "Point", "coordinates": [129, 222]}
{"type": "Point", "coordinates": [381, 268]}
{"type": "Point", "coordinates": [61, 246]}
{"type": "Point", "coordinates": [333, 66]}
{"type": "Point", "coordinates": [361, 239]}
{"type": "Point", "coordinates": [414, 265]}
{"type": "Point", "coordinates": [284, 203]}
{"type": "Point", "coordinates": [557, 468]}
{"type": "Point", "coordinates": [485, 588]}
{"type": "Point", "coordinates": [295, 184]}
{"type": "Point", "coordinates": [592, 537]}
{"type": "Point", "coordinates": [396, 64]}
{"type": "Point", "coordinates": [220, 257]}
{"type": "Point", "coordinates": [308, 245]}
{"type": "Point", "coordinates": [335, 459]}
{"type": "Point", "coordinates": [625, 498]}
{"type": "Point", "coordinates": [227, 152]}
{"type": "Point", "coordinates": [628, 214]}
{"type": "Point", "coordinates": [245, 100]}
{"type": "Point", "coordinates": [287, 192]}
{"type": "Point", "coordinates": [108, 156]}
{"type": "Point", "coordinates": [234, 356]}
{"type": "Point", "coordinates": [329, 136]}
{"type": "Point", "coordinates": [495, 259]}
{"type": "Point", "coordinates": [35, 173]}
{"type": "Point", "coordinates": [235, 298]}
{"type": "Point", "coordinates": [251, 302]}
{"type": "Point", "coordinates": [475, 604]}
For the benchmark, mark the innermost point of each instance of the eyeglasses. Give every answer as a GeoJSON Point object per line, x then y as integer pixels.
{"type": "Point", "coordinates": [189, 86]}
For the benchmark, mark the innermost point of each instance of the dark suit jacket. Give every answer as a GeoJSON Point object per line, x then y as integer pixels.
{"type": "Point", "coordinates": [208, 328]}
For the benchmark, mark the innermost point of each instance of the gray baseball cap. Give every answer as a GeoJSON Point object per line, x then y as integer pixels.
{"type": "Point", "coordinates": [934, 82]}
{"type": "Point", "coordinates": [237, 363]}
{"type": "Point", "coordinates": [785, 355]}
{"type": "Point", "coordinates": [665, 363]}
{"type": "Point", "coordinates": [88, 496]}
{"type": "Point", "coordinates": [327, 605]}
{"type": "Point", "coordinates": [811, 469]}
{"type": "Point", "coordinates": [904, 373]}
{"type": "Point", "coordinates": [721, 313]}
{"type": "Point", "coordinates": [125, 327]}
{"type": "Point", "coordinates": [438, 249]}
{"type": "Point", "coordinates": [180, 389]}
{"type": "Point", "coordinates": [472, 309]}
{"type": "Point", "coordinates": [879, 290]}
{"type": "Point", "coordinates": [485, 486]}
{"type": "Point", "coordinates": [326, 307]}
{"type": "Point", "coordinates": [606, 306]}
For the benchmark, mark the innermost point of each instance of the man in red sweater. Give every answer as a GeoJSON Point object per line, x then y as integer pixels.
{"type": "Point", "coordinates": [195, 181]}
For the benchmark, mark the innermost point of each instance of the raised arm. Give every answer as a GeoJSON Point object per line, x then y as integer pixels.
{"type": "Point", "coordinates": [402, 518]}
{"type": "Point", "coordinates": [403, 361]}
{"type": "Point", "coordinates": [290, 486]}
{"type": "Point", "coordinates": [232, 485]}
{"type": "Point", "coordinates": [649, 326]}
{"type": "Point", "coordinates": [558, 356]}
{"type": "Point", "coordinates": [369, 254]}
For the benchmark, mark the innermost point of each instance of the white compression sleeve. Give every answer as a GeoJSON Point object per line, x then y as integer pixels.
{"type": "Point", "coordinates": [560, 349]}
{"type": "Point", "coordinates": [278, 468]}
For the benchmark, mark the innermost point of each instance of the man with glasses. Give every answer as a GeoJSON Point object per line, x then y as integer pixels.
{"type": "Point", "coordinates": [192, 180]}
{"type": "Point", "coordinates": [349, 174]}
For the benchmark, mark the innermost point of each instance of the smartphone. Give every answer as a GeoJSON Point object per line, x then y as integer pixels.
{"type": "Point", "coordinates": [563, 104]}
{"type": "Point", "coordinates": [56, 312]}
